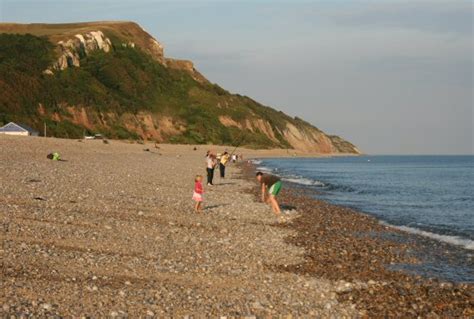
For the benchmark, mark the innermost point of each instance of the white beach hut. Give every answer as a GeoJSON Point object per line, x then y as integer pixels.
{"type": "Point", "coordinates": [18, 129]}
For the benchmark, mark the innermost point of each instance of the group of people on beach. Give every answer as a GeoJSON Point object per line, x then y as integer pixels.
{"type": "Point", "coordinates": [219, 160]}
{"type": "Point", "coordinates": [212, 161]}
{"type": "Point", "coordinates": [270, 185]}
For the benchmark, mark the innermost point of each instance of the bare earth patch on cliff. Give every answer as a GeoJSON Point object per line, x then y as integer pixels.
{"type": "Point", "coordinates": [114, 79]}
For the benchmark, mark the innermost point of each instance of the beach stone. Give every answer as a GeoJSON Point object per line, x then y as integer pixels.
{"type": "Point", "coordinates": [46, 306]}
{"type": "Point", "coordinates": [256, 305]}
{"type": "Point", "coordinates": [150, 313]}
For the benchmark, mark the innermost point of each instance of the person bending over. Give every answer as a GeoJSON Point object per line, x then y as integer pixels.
{"type": "Point", "coordinates": [272, 185]}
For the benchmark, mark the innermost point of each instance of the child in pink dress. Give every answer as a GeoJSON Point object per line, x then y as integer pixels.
{"type": "Point", "coordinates": [197, 195]}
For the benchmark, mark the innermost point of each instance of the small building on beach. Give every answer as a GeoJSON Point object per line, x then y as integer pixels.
{"type": "Point", "coordinates": [18, 129]}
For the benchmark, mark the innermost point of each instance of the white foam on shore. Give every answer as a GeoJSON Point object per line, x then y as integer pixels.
{"type": "Point", "coordinates": [264, 169]}
{"type": "Point", "coordinates": [256, 162]}
{"type": "Point", "coordinates": [291, 178]}
{"type": "Point", "coordinates": [304, 181]}
{"type": "Point", "coordinates": [453, 240]}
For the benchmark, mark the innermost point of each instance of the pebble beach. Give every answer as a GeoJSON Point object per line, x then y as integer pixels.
{"type": "Point", "coordinates": [111, 232]}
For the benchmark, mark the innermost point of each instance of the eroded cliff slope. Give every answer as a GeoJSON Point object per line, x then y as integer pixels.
{"type": "Point", "coordinates": [113, 78]}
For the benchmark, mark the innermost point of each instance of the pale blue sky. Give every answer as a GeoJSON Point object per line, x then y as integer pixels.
{"type": "Point", "coordinates": [390, 76]}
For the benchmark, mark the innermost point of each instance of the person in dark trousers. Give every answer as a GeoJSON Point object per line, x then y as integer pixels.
{"type": "Point", "coordinates": [271, 186]}
{"type": "Point", "coordinates": [211, 164]}
{"type": "Point", "coordinates": [223, 162]}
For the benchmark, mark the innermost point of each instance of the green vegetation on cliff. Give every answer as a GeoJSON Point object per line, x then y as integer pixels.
{"type": "Point", "coordinates": [126, 82]}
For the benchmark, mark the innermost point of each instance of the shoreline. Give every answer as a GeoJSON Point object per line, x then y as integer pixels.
{"type": "Point", "coordinates": [111, 233]}
{"type": "Point", "coordinates": [355, 249]}
{"type": "Point", "coordinates": [455, 241]}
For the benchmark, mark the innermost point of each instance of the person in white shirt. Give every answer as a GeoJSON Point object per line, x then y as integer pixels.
{"type": "Point", "coordinates": [211, 164]}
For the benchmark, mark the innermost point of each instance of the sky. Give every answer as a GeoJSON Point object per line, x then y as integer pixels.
{"type": "Point", "coordinates": [393, 77]}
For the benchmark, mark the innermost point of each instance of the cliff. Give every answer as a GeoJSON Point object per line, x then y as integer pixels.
{"type": "Point", "coordinates": [113, 78]}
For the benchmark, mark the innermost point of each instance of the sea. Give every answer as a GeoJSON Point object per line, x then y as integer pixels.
{"type": "Point", "coordinates": [431, 197]}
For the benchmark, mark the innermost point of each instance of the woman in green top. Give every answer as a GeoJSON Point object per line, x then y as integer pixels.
{"type": "Point", "coordinates": [272, 185]}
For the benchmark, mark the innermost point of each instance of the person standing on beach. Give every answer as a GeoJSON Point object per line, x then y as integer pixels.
{"type": "Point", "coordinates": [223, 162]}
{"type": "Point", "coordinates": [198, 194]}
{"type": "Point", "coordinates": [211, 164]}
{"type": "Point", "coordinates": [271, 185]}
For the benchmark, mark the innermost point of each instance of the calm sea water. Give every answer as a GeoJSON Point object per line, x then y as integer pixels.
{"type": "Point", "coordinates": [432, 196]}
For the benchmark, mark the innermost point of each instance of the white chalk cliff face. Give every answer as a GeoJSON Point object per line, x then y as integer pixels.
{"type": "Point", "coordinates": [72, 50]}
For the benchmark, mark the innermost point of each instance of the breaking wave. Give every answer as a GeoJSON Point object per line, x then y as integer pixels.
{"type": "Point", "coordinates": [303, 181]}
{"type": "Point", "coordinates": [453, 240]}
